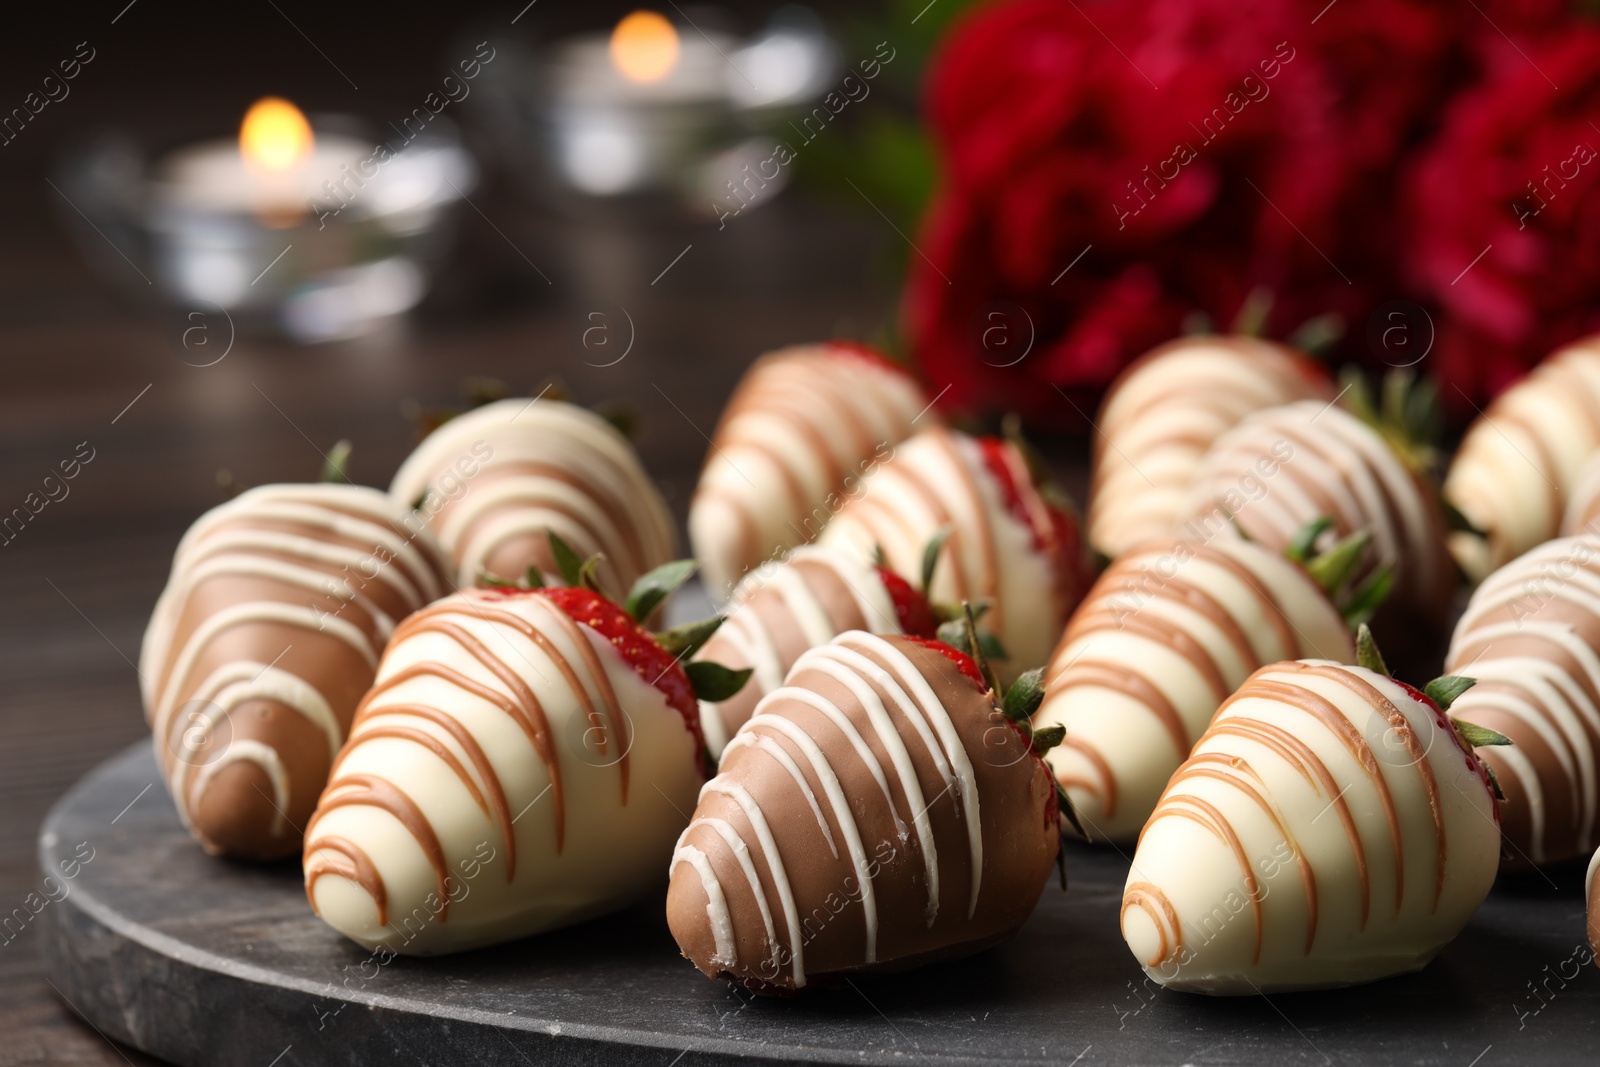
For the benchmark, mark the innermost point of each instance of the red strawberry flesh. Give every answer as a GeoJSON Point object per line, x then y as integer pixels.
{"type": "Point", "coordinates": [911, 610]}
{"type": "Point", "coordinates": [965, 663]}
{"type": "Point", "coordinates": [1055, 531]}
{"type": "Point", "coordinates": [633, 642]}
{"type": "Point", "coordinates": [1474, 763]}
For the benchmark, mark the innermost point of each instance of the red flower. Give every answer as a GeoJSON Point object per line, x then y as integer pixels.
{"type": "Point", "coordinates": [1109, 168]}
{"type": "Point", "coordinates": [1504, 226]}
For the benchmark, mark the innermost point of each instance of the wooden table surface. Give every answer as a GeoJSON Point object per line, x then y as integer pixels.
{"type": "Point", "coordinates": [82, 363]}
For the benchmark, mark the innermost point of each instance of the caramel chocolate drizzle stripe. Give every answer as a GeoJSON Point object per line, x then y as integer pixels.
{"type": "Point", "coordinates": [469, 744]}
{"type": "Point", "coordinates": [1298, 755]}
{"type": "Point", "coordinates": [607, 494]}
{"type": "Point", "coordinates": [532, 511]}
{"type": "Point", "coordinates": [1334, 721]}
{"type": "Point", "coordinates": [613, 724]}
{"type": "Point", "coordinates": [1142, 895]}
{"type": "Point", "coordinates": [1115, 676]}
{"type": "Point", "coordinates": [370, 790]}
{"type": "Point", "coordinates": [1205, 766]}
{"type": "Point", "coordinates": [1419, 757]}
{"type": "Point", "coordinates": [522, 705]}
{"type": "Point", "coordinates": [1218, 824]}
{"type": "Point", "coordinates": [359, 870]}
{"type": "Point", "coordinates": [966, 479]}
{"type": "Point", "coordinates": [1106, 787]}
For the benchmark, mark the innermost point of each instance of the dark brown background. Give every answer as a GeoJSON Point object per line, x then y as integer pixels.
{"type": "Point", "coordinates": [77, 344]}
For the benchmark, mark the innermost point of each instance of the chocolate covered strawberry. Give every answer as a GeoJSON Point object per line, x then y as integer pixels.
{"type": "Point", "coordinates": [1333, 826]}
{"type": "Point", "coordinates": [806, 423]}
{"type": "Point", "coordinates": [779, 610]}
{"type": "Point", "coordinates": [1169, 631]}
{"type": "Point", "coordinates": [886, 807]}
{"type": "Point", "coordinates": [522, 762]}
{"type": "Point", "coordinates": [1013, 543]}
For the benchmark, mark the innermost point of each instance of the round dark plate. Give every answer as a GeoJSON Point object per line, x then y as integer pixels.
{"type": "Point", "coordinates": [202, 961]}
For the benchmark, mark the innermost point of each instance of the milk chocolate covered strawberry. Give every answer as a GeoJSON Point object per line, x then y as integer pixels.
{"type": "Point", "coordinates": [1529, 636]}
{"type": "Point", "coordinates": [268, 631]}
{"type": "Point", "coordinates": [523, 762]}
{"type": "Point", "coordinates": [883, 809]}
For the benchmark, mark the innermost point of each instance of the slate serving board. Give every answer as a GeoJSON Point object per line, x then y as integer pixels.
{"type": "Point", "coordinates": [203, 961]}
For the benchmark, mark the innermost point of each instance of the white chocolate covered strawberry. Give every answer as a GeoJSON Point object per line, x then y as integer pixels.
{"type": "Point", "coordinates": [524, 761]}
{"type": "Point", "coordinates": [802, 429]}
{"type": "Point", "coordinates": [1164, 411]}
{"type": "Point", "coordinates": [1163, 638]}
{"type": "Point", "coordinates": [494, 482]}
{"type": "Point", "coordinates": [1284, 467]}
{"type": "Point", "coordinates": [1011, 544]}
{"type": "Point", "coordinates": [1522, 458]}
{"type": "Point", "coordinates": [1332, 827]}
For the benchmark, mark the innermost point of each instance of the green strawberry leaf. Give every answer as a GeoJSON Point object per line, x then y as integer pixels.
{"type": "Point", "coordinates": [930, 556]}
{"type": "Point", "coordinates": [1334, 569]}
{"type": "Point", "coordinates": [1367, 654]}
{"type": "Point", "coordinates": [1064, 802]}
{"type": "Point", "coordinates": [1317, 335]}
{"type": "Point", "coordinates": [568, 563]}
{"type": "Point", "coordinates": [713, 682]}
{"type": "Point", "coordinates": [1444, 691]}
{"type": "Point", "coordinates": [1024, 696]}
{"type": "Point", "coordinates": [1480, 736]}
{"type": "Point", "coordinates": [534, 577]}
{"type": "Point", "coordinates": [1304, 542]}
{"type": "Point", "coordinates": [336, 462]}
{"type": "Point", "coordinates": [1251, 320]}
{"type": "Point", "coordinates": [652, 588]}
{"type": "Point", "coordinates": [1047, 738]}
{"type": "Point", "coordinates": [681, 642]}
{"type": "Point", "coordinates": [1368, 597]}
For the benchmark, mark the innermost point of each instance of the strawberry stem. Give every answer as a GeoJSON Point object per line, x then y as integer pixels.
{"type": "Point", "coordinates": [975, 648]}
{"type": "Point", "coordinates": [930, 556]}
{"type": "Point", "coordinates": [336, 462]}
{"type": "Point", "coordinates": [568, 563]}
{"type": "Point", "coordinates": [1367, 654]}
{"type": "Point", "coordinates": [1251, 319]}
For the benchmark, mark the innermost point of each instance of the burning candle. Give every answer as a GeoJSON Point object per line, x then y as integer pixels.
{"type": "Point", "coordinates": [274, 169]}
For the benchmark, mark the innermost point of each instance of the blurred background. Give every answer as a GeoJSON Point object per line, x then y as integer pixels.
{"type": "Point", "coordinates": [233, 236]}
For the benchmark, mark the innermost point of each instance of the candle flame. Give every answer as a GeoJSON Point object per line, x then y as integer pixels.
{"type": "Point", "coordinates": [644, 47]}
{"type": "Point", "coordinates": [274, 136]}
